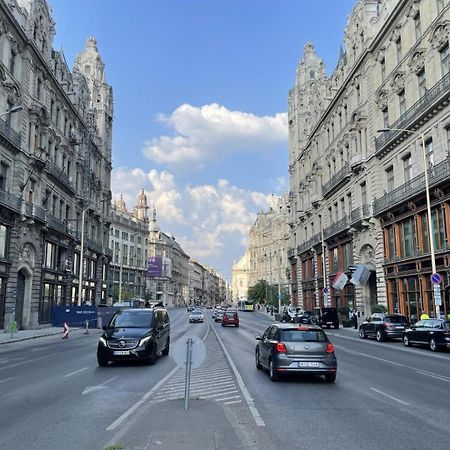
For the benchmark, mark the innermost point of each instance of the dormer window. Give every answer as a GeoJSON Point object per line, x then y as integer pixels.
{"type": "Point", "coordinates": [312, 74]}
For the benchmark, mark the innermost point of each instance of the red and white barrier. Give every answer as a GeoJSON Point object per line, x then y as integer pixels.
{"type": "Point", "coordinates": [66, 331]}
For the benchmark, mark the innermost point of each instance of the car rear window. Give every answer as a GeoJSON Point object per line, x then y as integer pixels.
{"type": "Point", "coordinates": [395, 319]}
{"type": "Point", "coordinates": [133, 319]}
{"type": "Point", "coordinates": [298, 335]}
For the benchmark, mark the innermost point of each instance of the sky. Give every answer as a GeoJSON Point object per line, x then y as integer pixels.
{"type": "Point", "coordinates": [200, 104]}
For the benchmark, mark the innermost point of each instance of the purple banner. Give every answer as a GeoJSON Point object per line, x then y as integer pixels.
{"type": "Point", "coordinates": [154, 266]}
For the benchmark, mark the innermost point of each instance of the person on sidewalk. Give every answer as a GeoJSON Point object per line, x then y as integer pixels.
{"type": "Point", "coordinates": [355, 319]}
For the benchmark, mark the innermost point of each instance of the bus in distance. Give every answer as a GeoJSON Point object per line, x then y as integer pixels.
{"type": "Point", "coordinates": [245, 305]}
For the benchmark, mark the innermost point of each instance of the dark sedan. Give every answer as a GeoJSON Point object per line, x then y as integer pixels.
{"type": "Point", "coordinates": [434, 333]}
{"type": "Point", "coordinates": [289, 348]}
{"type": "Point", "coordinates": [383, 326]}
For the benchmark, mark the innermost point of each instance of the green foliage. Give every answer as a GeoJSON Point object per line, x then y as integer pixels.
{"type": "Point", "coordinates": [148, 295]}
{"type": "Point", "coordinates": [343, 311]}
{"type": "Point", "coordinates": [127, 293]}
{"type": "Point", "coordinates": [379, 309]}
{"type": "Point", "coordinates": [263, 292]}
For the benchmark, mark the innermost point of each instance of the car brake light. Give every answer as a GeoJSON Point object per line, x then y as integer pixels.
{"type": "Point", "coordinates": [330, 348]}
{"type": "Point", "coordinates": [280, 347]}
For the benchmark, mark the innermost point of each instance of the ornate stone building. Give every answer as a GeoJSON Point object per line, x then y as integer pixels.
{"type": "Point", "coordinates": [266, 254]}
{"type": "Point", "coordinates": [359, 193]}
{"type": "Point", "coordinates": [128, 242]}
{"type": "Point", "coordinates": [55, 162]}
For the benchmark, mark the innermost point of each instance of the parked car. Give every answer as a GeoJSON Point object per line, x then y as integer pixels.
{"type": "Point", "coordinates": [435, 333]}
{"type": "Point", "coordinates": [230, 317]}
{"type": "Point", "coordinates": [289, 348]}
{"type": "Point", "coordinates": [196, 316]}
{"type": "Point", "coordinates": [383, 326]}
{"type": "Point", "coordinates": [327, 317]}
{"type": "Point", "coordinates": [307, 317]}
{"type": "Point", "coordinates": [135, 334]}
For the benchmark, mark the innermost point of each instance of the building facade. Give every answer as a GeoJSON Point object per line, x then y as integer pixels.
{"type": "Point", "coordinates": [55, 163]}
{"type": "Point", "coordinates": [266, 254]}
{"type": "Point", "coordinates": [357, 161]}
{"type": "Point", "coordinates": [128, 242]}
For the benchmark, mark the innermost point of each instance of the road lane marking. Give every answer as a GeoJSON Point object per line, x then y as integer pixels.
{"type": "Point", "coordinates": [97, 387]}
{"type": "Point", "coordinates": [76, 371]}
{"type": "Point", "coordinates": [221, 394]}
{"type": "Point", "coordinates": [6, 379]}
{"type": "Point", "coordinates": [227, 398]}
{"type": "Point", "coordinates": [39, 349]}
{"type": "Point", "coordinates": [251, 405]}
{"type": "Point", "coordinates": [433, 375]}
{"type": "Point", "coordinates": [232, 403]}
{"type": "Point", "coordinates": [390, 396]}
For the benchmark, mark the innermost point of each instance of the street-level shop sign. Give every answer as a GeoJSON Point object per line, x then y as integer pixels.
{"type": "Point", "coordinates": [436, 278]}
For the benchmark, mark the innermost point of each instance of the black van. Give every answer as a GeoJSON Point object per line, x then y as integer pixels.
{"type": "Point", "coordinates": [135, 334]}
{"type": "Point", "coordinates": [327, 317]}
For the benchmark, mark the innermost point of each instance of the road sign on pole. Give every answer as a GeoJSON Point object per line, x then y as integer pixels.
{"type": "Point", "coordinates": [437, 296]}
{"type": "Point", "coordinates": [436, 278]}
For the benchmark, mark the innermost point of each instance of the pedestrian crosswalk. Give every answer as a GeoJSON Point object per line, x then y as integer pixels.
{"type": "Point", "coordinates": [213, 380]}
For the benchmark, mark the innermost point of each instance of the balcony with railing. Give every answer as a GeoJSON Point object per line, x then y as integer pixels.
{"type": "Point", "coordinates": [426, 107]}
{"type": "Point", "coordinates": [359, 214]}
{"type": "Point", "coordinates": [338, 227]}
{"type": "Point", "coordinates": [309, 244]}
{"type": "Point", "coordinates": [56, 224]}
{"type": "Point", "coordinates": [436, 175]}
{"type": "Point", "coordinates": [291, 252]}
{"type": "Point", "coordinates": [59, 175]}
{"type": "Point", "coordinates": [10, 201]}
{"type": "Point", "coordinates": [94, 245]}
{"type": "Point", "coordinates": [13, 137]}
{"type": "Point", "coordinates": [338, 180]}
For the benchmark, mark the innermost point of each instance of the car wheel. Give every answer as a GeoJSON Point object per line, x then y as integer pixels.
{"type": "Point", "coordinates": [223, 324]}
{"type": "Point", "coordinates": [336, 326]}
{"type": "Point", "coordinates": [272, 372]}
{"type": "Point", "coordinates": [433, 346]}
{"type": "Point", "coordinates": [102, 362]}
{"type": "Point", "coordinates": [165, 352]}
{"type": "Point", "coordinates": [328, 327]}
{"type": "Point", "coordinates": [362, 335]}
{"type": "Point", "coordinates": [258, 364]}
{"type": "Point", "coordinates": [236, 325]}
{"type": "Point", "coordinates": [406, 341]}
{"type": "Point", "coordinates": [330, 377]}
{"type": "Point", "coordinates": [380, 336]}
{"type": "Point", "coordinates": [152, 358]}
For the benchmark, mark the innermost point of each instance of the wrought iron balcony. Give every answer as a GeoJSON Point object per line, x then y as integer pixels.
{"type": "Point", "coordinates": [10, 201]}
{"type": "Point", "coordinates": [309, 244]}
{"type": "Point", "coordinates": [427, 106]}
{"type": "Point", "coordinates": [291, 252]}
{"type": "Point", "coordinates": [94, 245]}
{"type": "Point", "coordinates": [13, 137]}
{"type": "Point", "coordinates": [58, 174]}
{"type": "Point", "coordinates": [338, 227]}
{"type": "Point", "coordinates": [360, 213]}
{"type": "Point", "coordinates": [436, 175]}
{"type": "Point", "coordinates": [109, 253]}
{"type": "Point", "coordinates": [338, 180]}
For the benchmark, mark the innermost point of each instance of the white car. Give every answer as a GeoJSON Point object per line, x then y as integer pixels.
{"type": "Point", "coordinates": [196, 316]}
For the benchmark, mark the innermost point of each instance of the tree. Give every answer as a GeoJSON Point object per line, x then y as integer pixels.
{"type": "Point", "coordinates": [263, 292]}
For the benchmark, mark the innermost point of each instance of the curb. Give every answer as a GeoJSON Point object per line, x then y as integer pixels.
{"type": "Point", "coordinates": [29, 338]}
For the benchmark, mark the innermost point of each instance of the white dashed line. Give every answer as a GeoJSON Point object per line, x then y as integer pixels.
{"type": "Point", "coordinates": [390, 396]}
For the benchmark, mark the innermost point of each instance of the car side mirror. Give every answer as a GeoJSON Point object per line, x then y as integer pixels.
{"type": "Point", "coordinates": [258, 338]}
{"type": "Point", "coordinates": [105, 327]}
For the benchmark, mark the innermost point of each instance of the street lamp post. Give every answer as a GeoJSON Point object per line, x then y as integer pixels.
{"type": "Point", "coordinates": [12, 110]}
{"type": "Point", "coordinates": [427, 192]}
{"type": "Point", "coordinates": [80, 283]}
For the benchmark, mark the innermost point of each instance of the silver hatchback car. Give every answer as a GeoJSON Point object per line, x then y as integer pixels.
{"type": "Point", "coordinates": [292, 348]}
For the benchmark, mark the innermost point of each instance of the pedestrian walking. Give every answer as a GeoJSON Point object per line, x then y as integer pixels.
{"type": "Point", "coordinates": [355, 319]}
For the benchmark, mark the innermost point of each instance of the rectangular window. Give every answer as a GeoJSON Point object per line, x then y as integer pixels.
{"type": "Point", "coordinates": [39, 89]}
{"type": "Point", "coordinates": [50, 255]}
{"type": "Point", "coordinates": [391, 242]}
{"type": "Point", "coordinates": [3, 241]}
{"type": "Point", "coordinates": [447, 132]}
{"type": "Point", "coordinates": [12, 62]}
{"type": "Point", "coordinates": [385, 117]}
{"type": "Point", "coordinates": [390, 178]}
{"type": "Point", "coordinates": [398, 49]}
{"type": "Point", "coordinates": [445, 60]}
{"type": "Point", "coordinates": [402, 102]}
{"type": "Point", "coordinates": [425, 238]}
{"type": "Point", "coordinates": [422, 82]}
{"type": "Point", "coordinates": [417, 26]}
{"type": "Point", "coordinates": [383, 69]}
{"type": "Point", "coordinates": [429, 152]}
{"type": "Point", "coordinates": [363, 193]}
{"type": "Point", "coordinates": [3, 176]}
{"type": "Point", "coordinates": [407, 168]}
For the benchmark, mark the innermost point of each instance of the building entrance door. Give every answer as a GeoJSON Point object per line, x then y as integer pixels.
{"type": "Point", "coordinates": [373, 288]}
{"type": "Point", "coordinates": [20, 297]}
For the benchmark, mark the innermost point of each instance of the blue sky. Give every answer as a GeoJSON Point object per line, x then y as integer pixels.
{"type": "Point", "coordinates": [200, 95]}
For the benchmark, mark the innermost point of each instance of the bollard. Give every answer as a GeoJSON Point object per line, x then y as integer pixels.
{"type": "Point", "coordinates": [66, 331]}
{"type": "Point", "coordinates": [99, 322]}
{"type": "Point", "coordinates": [87, 327]}
{"type": "Point", "coordinates": [187, 381]}
{"type": "Point", "coordinates": [13, 327]}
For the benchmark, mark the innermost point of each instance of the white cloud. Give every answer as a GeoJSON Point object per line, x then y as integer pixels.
{"type": "Point", "coordinates": [208, 220]}
{"type": "Point", "coordinates": [210, 132]}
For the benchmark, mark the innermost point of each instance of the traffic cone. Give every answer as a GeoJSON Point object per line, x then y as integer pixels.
{"type": "Point", "coordinates": [66, 331]}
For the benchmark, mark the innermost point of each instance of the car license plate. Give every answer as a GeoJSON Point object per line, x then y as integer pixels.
{"type": "Point", "coordinates": [122, 352]}
{"type": "Point", "coordinates": [308, 364]}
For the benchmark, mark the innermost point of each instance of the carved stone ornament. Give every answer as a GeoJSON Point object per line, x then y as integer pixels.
{"type": "Point", "coordinates": [413, 9]}
{"type": "Point", "coordinates": [395, 33]}
{"type": "Point", "coordinates": [440, 35]}
{"type": "Point", "coordinates": [382, 99]}
{"type": "Point", "coordinates": [13, 92]}
{"type": "Point", "coordinates": [398, 82]}
{"type": "Point", "coordinates": [417, 61]}
{"type": "Point", "coordinates": [380, 55]}
{"type": "Point", "coordinates": [3, 28]}
{"type": "Point", "coordinates": [367, 253]}
{"type": "Point", "coordinates": [28, 254]}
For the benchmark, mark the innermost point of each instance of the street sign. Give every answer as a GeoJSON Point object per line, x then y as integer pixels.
{"type": "Point", "coordinates": [437, 295]}
{"type": "Point", "coordinates": [198, 351]}
{"type": "Point", "coordinates": [436, 278]}
{"type": "Point", "coordinates": [325, 290]}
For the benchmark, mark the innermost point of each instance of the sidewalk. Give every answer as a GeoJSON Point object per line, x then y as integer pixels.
{"type": "Point", "coordinates": [25, 335]}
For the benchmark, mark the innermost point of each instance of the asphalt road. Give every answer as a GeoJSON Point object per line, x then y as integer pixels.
{"type": "Point", "coordinates": [53, 395]}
